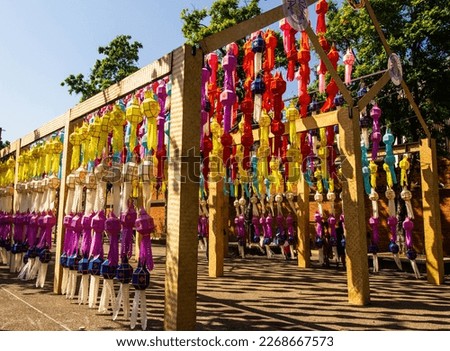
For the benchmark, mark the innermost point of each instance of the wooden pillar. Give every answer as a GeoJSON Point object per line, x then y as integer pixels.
{"type": "Point", "coordinates": [216, 228]}
{"type": "Point", "coordinates": [353, 207]}
{"type": "Point", "coordinates": [15, 205]}
{"type": "Point", "coordinates": [304, 249]}
{"type": "Point", "coordinates": [182, 200]}
{"type": "Point", "coordinates": [65, 170]}
{"type": "Point", "coordinates": [431, 212]}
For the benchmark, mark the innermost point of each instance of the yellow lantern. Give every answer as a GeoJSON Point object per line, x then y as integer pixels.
{"type": "Point", "coordinates": [75, 140]}
{"type": "Point", "coordinates": [150, 108]}
{"type": "Point", "coordinates": [104, 122]}
{"type": "Point", "coordinates": [292, 115]}
{"type": "Point", "coordinates": [116, 121]}
{"type": "Point", "coordinates": [57, 148]}
{"type": "Point", "coordinates": [95, 130]}
{"type": "Point", "coordinates": [134, 116]}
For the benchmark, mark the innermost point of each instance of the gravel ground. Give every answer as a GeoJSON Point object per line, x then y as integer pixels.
{"type": "Point", "coordinates": [254, 294]}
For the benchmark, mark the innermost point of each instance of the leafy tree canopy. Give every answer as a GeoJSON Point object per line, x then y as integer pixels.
{"type": "Point", "coordinates": [418, 31]}
{"type": "Point", "coordinates": [119, 61]}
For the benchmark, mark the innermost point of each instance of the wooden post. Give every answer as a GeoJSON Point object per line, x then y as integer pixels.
{"type": "Point", "coordinates": [304, 249]}
{"type": "Point", "coordinates": [216, 228]}
{"type": "Point", "coordinates": [182, 199]}
{"type": "Point", "coordinates": [65, 169]}
{"type": "Point", "coordinates": [353, 207]}
{"type": "Point", "coordinates": [431, 212]}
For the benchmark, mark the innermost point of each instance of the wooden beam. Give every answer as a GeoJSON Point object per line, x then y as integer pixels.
{"type": "Point", "coordinates": [216, 224]}
{"type": "Point", "coordinates": [182, 193]}
{"type": "Point", "coordinates": [155, 70]}
{"type": "Point", "coordinates": [374, 90]}
{"type": "Point", "coordinates": [65, 170]}
{"type": "Point", "coordinates": [240, 30]}
{"type": "Point", "coordinates": [378, 28]}
{"type": "Point", "coordinates": [388, 50]}
{"type": "Point", "coordinates": [353, 208]}
{"type": "Point", "coordinates": [416, 109]}
{"type": "Point", "coordinates": [304, 246]}
{"type": "Point", "coordinates": [431, 212]}
{"type": "Point", "coordinates": [218, 40]}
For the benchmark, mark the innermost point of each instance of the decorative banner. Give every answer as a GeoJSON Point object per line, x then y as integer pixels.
{"type": "Point", "coordinates": [296, 12]}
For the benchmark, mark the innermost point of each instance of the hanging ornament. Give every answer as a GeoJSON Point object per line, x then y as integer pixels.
{"type": "Point", "coordinates": [331, 88]}
{"type": "Point", "coordinates": [303, 75]}
{"type": "Point", "coordinates": [408, 226]}
{"type": "Point", "coordinates": [124, 271]}
{"type": "Point", "coordinates": [389, 159]}
{"type": "Point", "coordinates": [134, 117]}
{"type": "Point", "coordinates": [161, 152]}
{"type": "Point", "coordinates": [96, 256]}
{"type": "Point", "coordinates": [141, 276]}
{"type": "Point", "coordinates": [73, 256]}
{"type": "Point", "coordinates": [349, 60]}
{"type": "Point", "coordinates": [319, 236]}
{"type": "Point", "coordinates": [289, 47]}
{"type": "Point", "coordinates": [375, 113]}
{"type": "Point", "coordinates": [277, 88]}
{"type": "Point", "coordinates": [108, 268]}
{"type": "Point", "coordinates": [392, 224]}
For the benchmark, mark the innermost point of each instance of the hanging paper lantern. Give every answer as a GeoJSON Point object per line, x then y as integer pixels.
{"type": "Point", "coordinates": [150, 108]}
{"type": "Point", "coordinates": [134, 117]}
{"type": "Point", "coordinates": [116, 121]}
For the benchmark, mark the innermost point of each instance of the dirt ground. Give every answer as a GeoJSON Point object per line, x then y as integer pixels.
{"type": "Point", "coordinates": [254, 294]}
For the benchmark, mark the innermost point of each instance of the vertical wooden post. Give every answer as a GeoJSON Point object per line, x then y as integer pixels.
{"type": "Point", "coordinates": [15, 206]}
{"type": "Point", "coordinates": [216, 228]}
{"type": "Point", "coordinates": [182, 200]}
{"type": "Point", "coordinates": [304, 249]}
{"type": "Point", "coordinates": [353, 207]}
{"type": "Point", "coordinates": [65, 169]}
{"type": "Point", "coordinates": [431, 212]}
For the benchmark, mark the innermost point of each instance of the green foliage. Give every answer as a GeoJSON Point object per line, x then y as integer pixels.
{"type": "Point", "coordinates": [418, 31]}
{"type": "Point", "coordinates": [4, 144]}
{"type": "Point", "coordinates": [221, 15]}
{"type": "Point", "coordinates": [120, 61]}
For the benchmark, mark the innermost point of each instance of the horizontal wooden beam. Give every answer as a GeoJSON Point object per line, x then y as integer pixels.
{"type": "Point", "coordinates": [321, 120]}
{"type": "Point", "coordinates": [370, 95]}
{"type": "Point", "coordinates": [157, 69]}
{"type": "Point", "coordinates": [47, 129]}
{"type": "Point", "coordinates": [13, 146]}
{"type": "Point", "coordinates": [218, 40]}
{"type": "Point", "coordinates": [241, 30]}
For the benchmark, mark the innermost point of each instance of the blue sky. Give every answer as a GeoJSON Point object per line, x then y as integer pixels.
{"type": "Point", "coordinates": [44, 41]}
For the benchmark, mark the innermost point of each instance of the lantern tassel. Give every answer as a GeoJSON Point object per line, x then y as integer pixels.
{"type": "Point", "coordinates": [83, 293]}
{"type": "Point", "coordinates": [375, 263]}
{"type": "Point", "coordinates": [93, 290]}
{"type": "Point", "coordinates": [397, 261]}
{"type": "Point", "coordinates": [321, 256]}
{"type": "Point", "coordinates": [123, 300]}
{"type": "Point", "coordinates": [40, 281]}
{"type": "Point", "coordinates": [3, 255]}
{"type": "Point", "coordinates": [34, 269]}
{"type": "Point", "coordinates": [25, 272]}
{"type": "Point", "coordinates": [107, 297]}
{"type": "Point", "coordinates": [71, 285]}
{"type": "Point", "coordinates": [139, 303]}
{"type": "Point", "coordinates": [415, 268]}
{"type": "Point", "coordinates": [65, 279]}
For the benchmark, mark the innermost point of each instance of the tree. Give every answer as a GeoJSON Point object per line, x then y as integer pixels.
{"type": "Point", "coordinates": [418, 32]}
{"type": "Point", "coordinates": [120, 61]}
{"type": "Point", "coordinates": [223, 14]}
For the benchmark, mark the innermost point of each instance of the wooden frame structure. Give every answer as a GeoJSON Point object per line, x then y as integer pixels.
{"type": "Point", "coordinates": [184, 66]}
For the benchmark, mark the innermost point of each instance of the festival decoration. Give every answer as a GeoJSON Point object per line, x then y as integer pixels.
{"type": "Point", "coordinates": [141, 275]}
{"type": "Point", "coordinates": [349, 60]}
